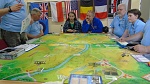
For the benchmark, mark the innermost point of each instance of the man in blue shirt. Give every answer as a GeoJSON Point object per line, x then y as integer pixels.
{"type": "Point", "coordinates": [145, 42]}
{"type": "Point", "coordinates": [92, 24]}
{"type": "Point", "coordinates": [136, 25]}
{"type": "Point", "coordinates": [12, 12]}
{"type": "Point", "coordinates": [35, 30]}
{"type": "Point", "coordinates": [120, 21]}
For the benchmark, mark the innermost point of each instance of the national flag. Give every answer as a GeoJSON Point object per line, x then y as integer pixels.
{"type": "Point", "coordinates": [85, 6]}
{"type": "Point", "coordinates": [57, 11]}
{"type": "Point", "coordinates": [101, 9]}
{"type": "Point", "coordinates": [44, 10]}
{"type": "Point", "coordinates": [114, 6]}
{"type": "Point", "coordinates": [71, 6]}
{"type": "Point", "coordinates": [44, 16]}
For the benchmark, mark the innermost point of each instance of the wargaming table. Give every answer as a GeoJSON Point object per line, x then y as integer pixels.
{"type": "Point", "coordinates": [60, 55]}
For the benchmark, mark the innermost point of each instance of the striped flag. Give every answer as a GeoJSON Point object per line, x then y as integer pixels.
{"type": "Point", "coordinates": [101, 9]}
{"type": "Point", "coordinates": [85, 6]}
{"type": "Point", "coordinates": [44, 11]}
{"type": "Point", "coordinates": [57, 12]}
{"type": "Point", "coordinates": [114, 6]}
{"type": "Point", "coordinates": [71, 6]}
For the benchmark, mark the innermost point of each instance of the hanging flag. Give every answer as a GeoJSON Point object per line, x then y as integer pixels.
{"type": "Point", "coordinates": [71, 6]}
{"type": "Point", "coordinates": [44, 15]}
{"type": "Point", "coordinates": [101, 9]}
{"type": "Point", "coordinates": [57, 11]}
{"type": "Point", "coordinates": [85, 6]}
{"type": "Point", "coordinates": [114, 6]}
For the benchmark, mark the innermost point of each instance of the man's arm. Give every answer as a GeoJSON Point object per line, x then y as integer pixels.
{"type": "Point", "coordinates": [142, 49]}
{"type": "Point", "coordinates": [99, 28]}
{"type": "Point", "coordinates": [13, 8]}
{"type": "Point", "coordinates": [4, 11]}
{"type": "Point", "coordinates": [37, 36]}
{"type": "Point", "coordinates": [125, 35]}
{"type": "Point", "coordinates": [85, 27]}
{"type": "Point", "coordinates": [135, 37]}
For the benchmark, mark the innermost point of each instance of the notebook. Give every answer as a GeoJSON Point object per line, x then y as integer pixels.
{"type": "Point", "coordinates": [142, 58]}
{"type": "Point", "coordinates": [85, 79]}
{"type": "Point", "coordinates": [27, 47]}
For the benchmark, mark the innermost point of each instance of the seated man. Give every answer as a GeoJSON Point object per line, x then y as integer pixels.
{"type": "Point", "coordinates": [35, 30]}
{"type": "Point", "coordinates": [136, 25]}
{"type": "Point", "coordinates": [92, 24]}
{"type": "Point", "coordinates": [120, 21]}
{"type": "Point", "coordinates": [144, 47]}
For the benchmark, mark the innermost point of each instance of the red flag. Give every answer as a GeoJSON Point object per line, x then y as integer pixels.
{"type": "Point", "coordinates": [115, 6]}
{"type": "Point", "coordinates": [101, 9]}
{"type": "Point", "coordinates": [56, 11]}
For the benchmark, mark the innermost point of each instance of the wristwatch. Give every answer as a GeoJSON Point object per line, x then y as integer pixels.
{"type": "Point", "coordinates": [9, 9]}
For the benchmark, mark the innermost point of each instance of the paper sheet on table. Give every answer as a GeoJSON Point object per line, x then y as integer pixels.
{"type": "Point", "coordinates": [123, 43]}
{"type": "Point", "coordinates": [25, 23]}
{"type": "Point", "coordinates": [141, 58]}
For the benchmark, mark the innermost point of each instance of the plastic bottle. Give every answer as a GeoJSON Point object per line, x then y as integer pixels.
{"type": "Point", "coordinates": [61, 29]}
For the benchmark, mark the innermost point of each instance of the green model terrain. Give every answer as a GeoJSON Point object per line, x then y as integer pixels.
{"type": "Point", "coordinates": [60, 55]}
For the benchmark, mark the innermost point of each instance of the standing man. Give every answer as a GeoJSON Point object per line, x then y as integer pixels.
{"type": "Point", "coordinates": [120, 21]}
{"type": "Point", "coordinates": [35, 30]}
{"type": "Point", "coordinates": [92, 24]}
{"type": "Point", "coordinates": [12, 12]}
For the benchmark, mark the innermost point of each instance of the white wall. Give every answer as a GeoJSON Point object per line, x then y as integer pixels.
{"type": "Point", "coordinates": [135, 4]}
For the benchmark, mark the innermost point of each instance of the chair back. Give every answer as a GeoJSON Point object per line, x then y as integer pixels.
{"type": "Point", "coordinates": [3, 44]}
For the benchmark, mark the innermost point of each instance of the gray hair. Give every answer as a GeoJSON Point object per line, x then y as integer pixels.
{"type": "Point", "coordinates": [123, 5]}
{"type": "Point", "coordinates": [35, 11]}
{"type": "Point", "coordinates": [92, 12]}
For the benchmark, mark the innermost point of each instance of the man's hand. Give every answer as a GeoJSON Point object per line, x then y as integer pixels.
{"type": "Point", "coordinates": [16, 7]}
{"type": "Point", "coordinates": [122, 39]}
{"type": "Point", "coordinates": [87, 20]}
{"type": "Point", "coordinates": [140, 49]}
{"type": "Point", "coordinates": [32, 21]}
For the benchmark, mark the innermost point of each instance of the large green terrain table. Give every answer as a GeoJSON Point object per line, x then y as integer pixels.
{"type": "Point", "coordinates": [60, 55]}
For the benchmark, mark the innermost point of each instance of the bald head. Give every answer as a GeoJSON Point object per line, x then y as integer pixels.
{"type": "Point", "coordinates": [121, 10]}
{"type": "Point", "coordinates": [122, 5]}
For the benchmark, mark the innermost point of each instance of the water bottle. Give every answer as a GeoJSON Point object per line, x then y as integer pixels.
{"type": "Point", "coordinates": [61, 29]}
